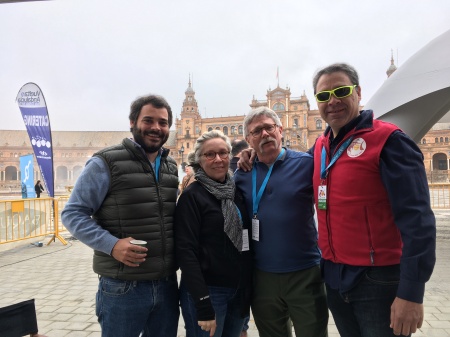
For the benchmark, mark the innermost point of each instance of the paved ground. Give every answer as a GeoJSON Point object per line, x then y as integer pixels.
{"type": "Point", "coordinates": [61, 281]}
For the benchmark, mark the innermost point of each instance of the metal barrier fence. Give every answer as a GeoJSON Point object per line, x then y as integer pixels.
{"type": "Point", "coordinates": [439, 195]}
{"type": "Point", "coordinates": [23, 219]}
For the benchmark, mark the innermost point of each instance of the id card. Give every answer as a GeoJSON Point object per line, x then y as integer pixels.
{"type": "Point", "coordinates": [322, 197]}
{"type": "Point", "coordinates": [255, 229]}
{"type": "Point", "coordinates": [245, 242]}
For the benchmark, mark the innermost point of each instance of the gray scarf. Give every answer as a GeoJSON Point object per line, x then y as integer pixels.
{"type": "Point", "coordinates": [225, 193]}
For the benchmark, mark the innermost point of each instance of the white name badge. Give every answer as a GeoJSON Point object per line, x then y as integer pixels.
{"type": "Point", "coordinates": [255, 229]}
{"type": "Point", "coordinates": [245, 241]}
{"type": "Point", "coordinates": [322, 197]}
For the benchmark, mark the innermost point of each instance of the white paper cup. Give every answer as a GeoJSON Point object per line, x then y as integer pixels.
{"type": "Point", "coordinates": [141, 243]}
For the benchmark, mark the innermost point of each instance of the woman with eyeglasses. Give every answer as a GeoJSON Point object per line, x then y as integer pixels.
{"type": "Point", "coordinates": [212, 231]}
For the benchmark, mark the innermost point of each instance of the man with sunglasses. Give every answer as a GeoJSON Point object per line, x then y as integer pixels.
{"type": "Point", "coordinates": [377, 231]}
{"type": "Point", "coordinates": [287, 280]}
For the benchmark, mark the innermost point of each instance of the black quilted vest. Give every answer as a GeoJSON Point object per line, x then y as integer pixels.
{"type": "Point", "coordinates": [138, 206]}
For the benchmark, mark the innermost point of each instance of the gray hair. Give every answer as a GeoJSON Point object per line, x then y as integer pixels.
{"type": "Point", "coordinates": [261, 111]}
{"type": "Point", "coordinates": [334, 68]}
{"type": "Point", "coordinates": [194, 156]}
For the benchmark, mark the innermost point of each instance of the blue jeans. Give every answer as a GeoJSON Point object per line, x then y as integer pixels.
{"type": "Point", "coordinates": [365, 310]}
{"type": "Point", "coordinates": [227, 306]}
{"type": "Point", "coordinates": [129, 308]}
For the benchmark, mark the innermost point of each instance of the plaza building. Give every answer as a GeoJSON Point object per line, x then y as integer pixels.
{"type": "Point", "coordinates": [435, 147]}
{"type": "Point", "coordinates": [301, 127]}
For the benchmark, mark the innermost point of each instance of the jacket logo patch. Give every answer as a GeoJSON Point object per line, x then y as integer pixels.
{"type": "Point", "coordinates": [356, 148]}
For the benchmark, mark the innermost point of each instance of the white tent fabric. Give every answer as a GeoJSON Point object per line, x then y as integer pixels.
{"type": "Point", "coordinates": [417, 95]}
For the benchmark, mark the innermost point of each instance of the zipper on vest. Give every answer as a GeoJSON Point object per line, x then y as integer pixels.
{"type": "Point", "coordinates": [161, 220]}
{"type": "Point", "coordinates": [369, 237]}
{"type": "Point", "coordinates": [330, 233]}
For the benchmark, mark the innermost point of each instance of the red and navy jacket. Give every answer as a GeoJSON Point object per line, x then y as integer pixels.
{"type": "Point", "coordinates": [402, 175]}
{"type": "Point", "coordinates": [357, 227]}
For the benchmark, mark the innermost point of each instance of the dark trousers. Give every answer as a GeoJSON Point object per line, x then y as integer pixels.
{"type": "Point", "coordinates": [365, 310]}
{"type": "Point", "coordinates": [298, 296]}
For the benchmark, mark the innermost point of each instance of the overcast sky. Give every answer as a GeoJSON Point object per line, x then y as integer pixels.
{"type": "Point", "coordinates": [91, 58]}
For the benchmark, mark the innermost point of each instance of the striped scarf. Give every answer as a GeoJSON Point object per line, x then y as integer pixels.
{"type": "Point", "coordinates": [225, 193]}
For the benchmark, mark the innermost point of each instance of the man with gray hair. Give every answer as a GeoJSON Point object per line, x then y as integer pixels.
{"type": "Point", "coordinates": [279, 196]}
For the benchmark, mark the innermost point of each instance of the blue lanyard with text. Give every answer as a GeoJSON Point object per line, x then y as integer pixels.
{"type": "Point", "coordinates": [157, 165]}
{"type": "Point", "coordinates": [257, 198]}
{"type": "Point", "coordinates": [323, 169]}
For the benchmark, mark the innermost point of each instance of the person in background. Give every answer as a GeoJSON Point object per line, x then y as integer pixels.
{"type": "Point", "coordinates": [125, 192]}
{"type": "Point", "coordinates": [23, 188]}
{"type": "Point", "coordinates": [377, 232]}
{"type": "Point", "coordinates": [189, 177]}
{"type": "Point", "coordinates": [38, 189]}
{"type": "Point", "coordinates": [212, 244]}
{"type": "Point", "coordinates": [236, 148]}
{"type": "Point", "coordinates": [279, 196]}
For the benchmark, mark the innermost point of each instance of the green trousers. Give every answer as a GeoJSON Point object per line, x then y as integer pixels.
{"type": "Point", "coordinates": [298, 296]}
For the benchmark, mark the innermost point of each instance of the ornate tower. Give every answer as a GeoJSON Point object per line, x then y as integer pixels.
{"type": "Point", "coordinates": [189, 125]}
{"type": "Point", "coordinates": [392, 68]}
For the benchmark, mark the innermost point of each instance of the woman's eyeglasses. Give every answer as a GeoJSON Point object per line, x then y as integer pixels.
{"type": "Point", "coordinates": [212, 155]}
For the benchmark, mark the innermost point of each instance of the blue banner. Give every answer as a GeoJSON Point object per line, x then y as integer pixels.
{"type": "Point", "coordinates": [35, 116]}
{"type": "Point", "coordinates": [27, 176]}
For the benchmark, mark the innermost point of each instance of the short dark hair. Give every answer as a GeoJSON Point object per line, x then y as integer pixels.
{"type": "Point", "coordinates": [334, 68]}
{"type": "Point", "coordinates": [238, 146]}
{"type": "Point", "coordinates": [156, 101]}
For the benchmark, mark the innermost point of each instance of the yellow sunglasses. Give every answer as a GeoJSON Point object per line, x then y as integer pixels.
{"type": "Point", "coordinates": [341, 92]}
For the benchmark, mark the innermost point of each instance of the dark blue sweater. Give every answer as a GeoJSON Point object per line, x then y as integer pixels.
{"type": "Point", "coordinates": [287, 232]}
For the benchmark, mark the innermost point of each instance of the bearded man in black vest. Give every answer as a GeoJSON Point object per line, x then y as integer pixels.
{"type": "Point", "coordinates": [126, 192]}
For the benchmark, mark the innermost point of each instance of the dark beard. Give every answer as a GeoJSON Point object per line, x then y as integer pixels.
{"type": "Point", "coordinates": [138, 138]}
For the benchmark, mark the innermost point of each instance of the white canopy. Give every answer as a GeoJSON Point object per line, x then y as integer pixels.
{"type": "Point", "coordinates": [417, 95]}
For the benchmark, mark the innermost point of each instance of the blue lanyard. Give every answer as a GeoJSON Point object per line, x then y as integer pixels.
{"type": "Point", "coordinates": [157, 165]}
{"type": "Point", "coordinates": [323, 169]}
{"type": "Point", "coordinates": [257, 198]}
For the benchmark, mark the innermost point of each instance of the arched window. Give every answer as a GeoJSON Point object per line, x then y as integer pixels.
{"type": "Point", "coordinates": [318, 124]}
{"type": "Point", "coordinates": [233, 129]}
{"type": "Point", "coordinates": [424, 141]}
{"type": "Point", "coordinates": [210, 129]}
{"type": "Point", "coordinates": [436, 140]}
{"type": "Point", "coordinates": [278, 107]}
{"type": "Point", "coordinates": [240, 129]}
{"type": "Point", "coordinates": [446, 139]}
{"type": "Point", "coordinates": [10, 173]}
{"type": "Point", "coordinates": [441, 140]}
{"type": "Point", "coordinates": [225, 130]}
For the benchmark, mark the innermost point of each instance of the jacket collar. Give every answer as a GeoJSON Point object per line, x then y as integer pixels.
{"type": "Point", "coordinates": [363, 121]}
